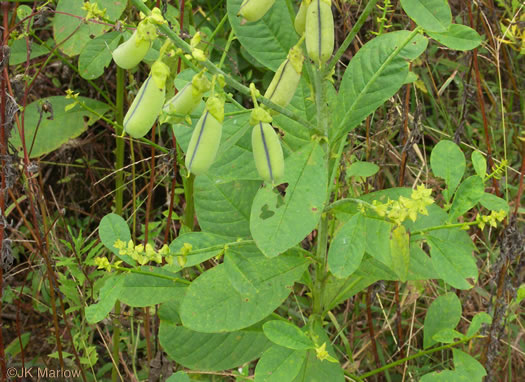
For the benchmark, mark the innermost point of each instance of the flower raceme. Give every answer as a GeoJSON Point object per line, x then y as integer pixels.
{"type": "Point", "coordinates": [254, 10]}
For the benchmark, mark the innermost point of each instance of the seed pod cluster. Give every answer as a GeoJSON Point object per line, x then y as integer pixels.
{"type": "Point", "coordinates": [286, 79]}
{"type": "Point", "coordinates": [254, 10]}
{"type": "Point", "coordinates": [131, 52]}
{"type": "Point", "coordinates": [319, 31]}
{"type": "Point", "coordinates": [204, 144]}
{"type": "Point", "coordinates": [267, 153]}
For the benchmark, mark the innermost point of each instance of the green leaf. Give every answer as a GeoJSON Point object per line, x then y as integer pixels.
{"type": "Point", "coordinates": [479, 163]}
{"type": "Point", "coordinates": [107, 297]}
{"type": "Point", "coordinates": [363, 169]}
{"type": "Point", "coordinates": [71, 32]}
{"type": "Point", "coordinates": [400, 252]}
{"type": "Point", "coordinates": [347, 248]}
{"type": "Point", "coordinates": [278, 223]}
{"type": "Point", "coordinates": [469, 368]}
{"type": "Point", "coordinates": [478, 320]}
{"type": "Point", "coordinates": [494, 203]}
{"type": "Point", "coordinates": [287, 335]}
{"type": "Point", "coordinates": [18, 51]}
{"type": "Point", "coordinates": [377, 239]}
{"type": "Point", "coordinates": [203, 243]}
{"type": "Point", "coordinates": [96, 55]}
{"type": "Point", "coordinates": [442, 376]}
{"type": "Point", "coordinates": [14, 349]}
{"type": "Point", "coordinates": [143, 290]}
{"type": "Point", "coordinates": [279, 364]}
{"type": "Point", "coordinates": [458, 37]}
{"type": "Point", "coordinates": [224, 208]}
{"type": "Point", "coordinates": [56, 128]}
{"type": "Point", "coordinates": [179, 376]}
{"type": "Point", "coordinates": [212, 352]}
{"type": "Point", "coordinates": [368, 82]}
{"type": "Point", "coordinates": [431, 15]}
{"type": "Point", "coordinates": [448, 336]}
{"type": "Point", "coordinates": [443, 313]}
{"type": "Point", "coordinates": [113, 227]}
{"type": "Point", "coordinates": [469, 193]}
{"type": "Point", "coordinates": [453, 261]}
{"type": "Point", "coordinates": [448, 162]}
{"type": "Point", "coordinates": [267, 40]}
{"type": "Point", "coordinates": [212, 304]}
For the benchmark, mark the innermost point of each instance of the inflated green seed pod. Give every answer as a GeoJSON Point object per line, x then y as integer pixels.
{"type": "Point", "coordinates": [285, 81]}
{"type": "Point", "coordinates": [267, 153]}
{"type": "Point", "coordinates": [253, 10]}
{"type": "Point", "coordinates": [300, 18]}
{"type": "Point", "coordinates": [145, 108]}
{"type": "Point", "coordinates": [204, 144]}
{"type": "Point", "coordinates": [184, 102]}
{"type": "Point", "coordinates": [131, 52]}
{"type": "Point", "coordinates": [319, 31]}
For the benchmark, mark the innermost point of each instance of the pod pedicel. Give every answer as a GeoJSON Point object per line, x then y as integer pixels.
{"type": "Point", "coordinates": [253, 10]}
{"type": "Point", "coordinates": [267, 153]}
{"type": "Point", "coordinates": [131, 52]}
{"type": "Point", "coordinates": [319, 31]}
{"type": "Point", "coordinates": [285, 81]}
{"type": "Point", "coordinates": [204, 144]}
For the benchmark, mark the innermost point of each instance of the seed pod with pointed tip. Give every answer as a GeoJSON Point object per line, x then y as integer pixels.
{"type": "Point", "coordinates": [184, 102]}
{"type": "Point", "coordinates": [253, 10]}
{"type": "Point", "coordinates": [319, 31]}
{"type": "Point", "coordinates": [285, 81]}
{"type": "Point", "coordinates": [267, 153]}
{"type": "Point", "coordinates": [204, 144]}
{"type": "Point", "coordinates": [300, 18]}
{"type": "Point", "coordinates": [145, 108]}
{"type": "Point", "coordinates": [131, 52]}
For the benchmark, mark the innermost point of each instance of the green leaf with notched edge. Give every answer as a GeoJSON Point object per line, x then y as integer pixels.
{"type": "Point", "coordinates": [287, 335]}
{"type": "Point", "coordinates": [278, 223]}
{"type": "Point", "coordinates": [443, 313]}
{"type": "Point", "coordinates": [267, 40]}
{"type": "Point", "coordinates": [347, 248]}
{"type": "Point", "coordinates": [96, 55]}
{"type": "Point", "coordinates": [279, 364]}
{"type": "Point", "coordinates": [212, 351]}
{"type": "Point", "coordinates": [58, 127]}
{"type": "Point", "coordinates": [212, 304]}
{"type": "Point", "coordinates": [431, 15]}
{"type": "Point", "coordinates": [453, 261]}
{"type": "Point", "coordinates": [458, 37]}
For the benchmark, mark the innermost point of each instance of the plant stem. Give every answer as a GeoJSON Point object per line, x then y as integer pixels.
{"type": "Point", "coordinates": [152, 274]}
{"type": "Point", "coordinates": [189, 212]}
{"type": "Point", "coordinates": [417, 355]}
{"type": "Point", "coordinates": [119, 192]}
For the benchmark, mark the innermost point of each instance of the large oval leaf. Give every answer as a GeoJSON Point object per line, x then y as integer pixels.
{"type": "Point", "coordinates": [212, 304]}
{"type": "Point", "coordinates": [212, 351]}
{"type": "Point", "coordinates": [431, 15]}
{"type": "Point", "coordinates": [278, 223]}
{"type": "Point", "coordinates": [58, 127]}
{"type": "Point", "coordinates": [368, 82]}
{"type": "Point", "coordinates": [267, 40]}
